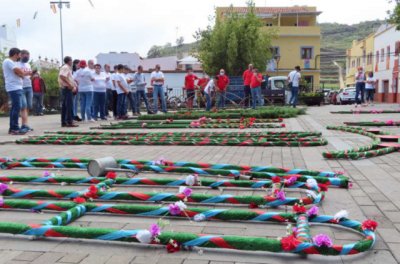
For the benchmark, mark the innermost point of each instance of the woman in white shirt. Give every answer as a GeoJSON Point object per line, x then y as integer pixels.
{"type": "Point", "coordinates": [99, 93]}
{"type": "Point", "coordinates": [84, 79]}
{"type": "Point", "coordinates": [209, 90]}
{"type": "Point", "coordinates": [370, 88]}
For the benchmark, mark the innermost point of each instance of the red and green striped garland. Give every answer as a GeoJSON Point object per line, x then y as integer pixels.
{"type": "Point", "coordinates": [374, 123]}
{"type": "Point", "coordinates": [374, 111]}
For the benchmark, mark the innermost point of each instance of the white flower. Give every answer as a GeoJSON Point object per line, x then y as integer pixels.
{"type": "Point", "coordinates": [190, 180]}
{"type": "Point", "coordinates": [312, 183]}
{"type": "Point", "coordinates": [199, 218]}
{"type": "Point", "coordinates": [144, 236]}
{"type": "Point", "coordinates": [181, 205]}
{"type": "Point", "coordinates": [182, 189]}
{"type": "Point", "coordinates": [312, 194]}
{"type": "Point", "coordinates": [341, 214]}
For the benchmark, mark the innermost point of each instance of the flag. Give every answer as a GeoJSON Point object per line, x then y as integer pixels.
{"type": "Point", "coordinates": [18, 22]}
{"type": "Point", "coordinates": [91, 3]}
{"type": "Point", "coordinates": [53, 8]}
{"type": "Point", "coordinates": [35, 15]}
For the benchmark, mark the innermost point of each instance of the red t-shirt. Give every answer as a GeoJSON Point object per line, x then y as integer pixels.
{"type": "Point", "coordinates": [36, 85]}
{"type": "Point", "coordinates": [254, 82]}
{"type": "Point", "coordinates": [202, 83]}
{"type": "Point", "coordinates": [223, 82]}
{"type": "Point", "coordinates": [189, 81]}
{"type": "Point", "coordinates": [247, 77]}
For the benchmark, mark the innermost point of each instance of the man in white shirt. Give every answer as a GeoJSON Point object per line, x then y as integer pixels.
{"type": "Point", "coordinates": [157, 80]}
{"type": "Point", "coordinates": [109, 88]}
{"type": "Point", "coordinates": [114, 92]}
{"type": "Point", "coordinates": [140, 81]}
{"type": "Point", "coordinates": [209, 90]}
{"type": "Point", "coordinates": [26, 88]}
{"type": "Point", "coordinates": [13, 84]}
{"type": "Point", "coordinates": [122, 91]}
{"type": "Point", "coordinates": [294, 83]}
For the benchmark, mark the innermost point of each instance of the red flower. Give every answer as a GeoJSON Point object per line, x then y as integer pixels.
{"type": "Point", "coordinates": [280, 119]}
{"type": "Point", "coordinates": [93, 189]}
{"type": "Point", "coordinates": [289, 243]}
{"type": "Point", "coordinates": [79, 200]}
{"type": "Point", "coordinates": [283, 125]}
{"type": "Point", "coordinates": [92, 193]}
{"type": "Point", "coordinates": [173, 246]}
{"type": "Point", "coordinates": [323, 187]}
{"type": "Point", "coordinates": [276, 179]}
{"type": "Point", "coordinates": [111, 175]}
{"type": "Point", "coordinates": [241, 126]}
{"type": "Point", "coordinates": [253, 205]}
{"type": "Point", "coordinates": [299, 209]}
{"type": "Point", "coordinates": [369, 225]}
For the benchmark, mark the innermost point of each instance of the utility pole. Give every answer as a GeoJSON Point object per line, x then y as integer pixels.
{"type": "Point", "coordinates": [60, 5]}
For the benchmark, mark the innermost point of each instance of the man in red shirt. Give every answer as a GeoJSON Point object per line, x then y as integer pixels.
{"type": "Point", "coordinates": [255, 89]}
{"type": "Point", "coordinates": [189, 87]}
{"type": "Point", "coordinates": [39, 88]}
{"type": "Point", "coordinates": [202, 83]}
{"type": "Point", "coordinates": [222, 85]}
{"type": "Point", "coordinates": [246, 82]}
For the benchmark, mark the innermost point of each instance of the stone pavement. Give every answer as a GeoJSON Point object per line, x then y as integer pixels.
{"type": "Point", "coordinates": [374, 195]}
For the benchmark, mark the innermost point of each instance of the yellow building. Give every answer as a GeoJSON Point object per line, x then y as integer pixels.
{"type": "Point", "coordinates": [298, 39]}
{"type": "Point", "coordinates": [361, 54]}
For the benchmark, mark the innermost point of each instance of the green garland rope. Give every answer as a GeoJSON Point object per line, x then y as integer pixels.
{"type": "Point", "coordinates": [373, 123]}
{"type": "Point", "coordinates": [375, 111]}
{"type": "Point", "coordinates": [369, 151]}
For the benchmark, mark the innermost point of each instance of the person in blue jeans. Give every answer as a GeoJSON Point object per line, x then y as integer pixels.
{"type": "Point", "coordinates": [221, 87]}
{"type": "Point", "coordinates": [294, 78]}
{"type": "Point", "coordinates": [209, 90]}
{"type": "Point", "coordinates": [13, 83]}
{"type": "Point", "coordinates": [84, 78]}
{"type": "Point", "coordinates": [99, 93]}
{"type": "Point", "coordinates": [360, 86]}
{"type": "Point", "coordinates": [122, 87]}
{"type": "Point", "coordinates": [157, 80]}
{"type": "Point", "coordinates": [27, 95]}
{"type": "Point", "coordinates": [255, 88]}
{"type": "Point", "coordinates": [140, 81]}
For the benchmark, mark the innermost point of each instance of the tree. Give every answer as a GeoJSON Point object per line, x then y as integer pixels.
{"type": "Point", "coordinates": [234, 42]}
{"type": "Point", "coordinates": [179, 42]}
{"type": "Point", "coordinates": [395, 14]}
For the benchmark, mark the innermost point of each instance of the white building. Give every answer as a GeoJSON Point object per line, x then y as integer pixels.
{"type": "Point", "coordinates": [386, 63]}
{"type": "Point", "coordinates": [8, 39]}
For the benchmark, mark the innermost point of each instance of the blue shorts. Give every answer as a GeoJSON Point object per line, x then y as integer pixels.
{"type": "Point", "coordinates": [27, 96]}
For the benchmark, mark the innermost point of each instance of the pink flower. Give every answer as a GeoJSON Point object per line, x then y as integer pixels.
{"type": "Point", "coordinates": [291, 180]}
{"type": "Point", "coordinates": [375, 120]}
{"type": "Point", "coordinates": [203, 119]}
{"type": "Point", "coordinates": [185, 191]}
{"type": "Point", "coordinates": [1, 201]}
{"type": "Point", "coordinates": [281, 195]}
{"type": "Point", "coordinates": [174, 209]}
{"type": "Point", "coordinates": [322, 240]}
{"type": "Point", "coordinates": [313, 211]}
{"type": "Point", "coordinates": [3, 187]}
{"type": "Point", "coordinates": [155, 230]}
{"type": "Point", "coordinates": [194, 124]}
{"type": "Point", "coordinates": [389, 122]}
{"type": "Point", "coordinates": [46, 174]}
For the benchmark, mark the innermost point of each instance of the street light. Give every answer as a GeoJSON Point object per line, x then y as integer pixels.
{"type": "Point", "coordinates": [60, 6]}
{"type": "Point", "coordinates": [277, 58]}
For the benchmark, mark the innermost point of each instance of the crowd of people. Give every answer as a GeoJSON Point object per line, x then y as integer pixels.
{"type": "Point", "coordinates": [365, 87]}
{"type": "Point", "coordinates": [100, 91]}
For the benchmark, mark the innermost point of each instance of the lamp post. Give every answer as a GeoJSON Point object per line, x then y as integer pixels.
{"type": "Point", "coordinates": [277, 58]}
{"type": "Point", "coordinates": [60, 5]}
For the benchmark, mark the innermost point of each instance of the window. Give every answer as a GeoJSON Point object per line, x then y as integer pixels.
{"type": "Point", "coordinates": [275, 51]}
{"type": "Point", "coordinates": [358, 62]}
{"type": "Point", "coordinates": [306, 53]}
{"type": "Point", "coordinates": [363, 56]}
{"type": "Point", "coordinates": [397, 48]}
{"type": "Point", "coordinates": [377, 57]}
{"type": "Point", "coordinates": [382, 55]}
{"type": "Point", "coordinates": [387, 57]}
{"type": "Point", "coordinates": [353, 63]}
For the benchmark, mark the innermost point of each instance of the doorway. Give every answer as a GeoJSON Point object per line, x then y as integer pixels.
{"type": "Point", "coordinates": [386, 91]}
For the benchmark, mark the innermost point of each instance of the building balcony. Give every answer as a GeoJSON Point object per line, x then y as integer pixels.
{"type": "Point", "coordinates": [311, 31]}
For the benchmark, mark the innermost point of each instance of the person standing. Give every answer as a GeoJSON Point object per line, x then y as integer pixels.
{"type": "Point", "coordinates": [255, 88]}
{"type": "Point", "coordinates": [75, 68]}
{"type": "Point", "coordinates": [109, 88]}
{"type": "Point", "coordinates": [99, 93]}
{"type": "Point", "coordinates": [190, 87]}
{"type": "Point", "coordinates": [131, 97]}
{"type": "Point", "coordinates": [247, 76]}
{"type": "Point", "coordinates": [122, 91]}
{"type": "Point", "coordinates": [39, 89]}
{"type": "Point", "coordinates": [222, 85]}
{"type": "Point", "coordinates": [370, 88]}
{"type": "Point", "coordinates": [91, 66]}
{"type": "Point", "coordinates": [140, 81]}
{"type": "Point", "coordinates": [360, 86]}
{"type": "Point", "coordinates": [157, 81]}
{"type": "Point", "coordinates": [294, 83]}
{"type": "Point", "coordinates": [114, 91]}
{"type": "Point", "coordinates": [68, 87]}
{"type": "Point", "coordinates": [84, 78]}
{"type": "Point", "coordinates": [209, 90]}
{"type": "Point", "coordinates": [13, 76]}
{"type": "Point", "coordinates": [27, 89]}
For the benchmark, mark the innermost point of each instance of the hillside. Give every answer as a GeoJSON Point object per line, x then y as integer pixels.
{"type": "Point", "coordinates": [336, 38]}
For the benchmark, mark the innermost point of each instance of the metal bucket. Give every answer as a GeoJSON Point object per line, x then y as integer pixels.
{"type": "Point", "coordinates": [100, 167]}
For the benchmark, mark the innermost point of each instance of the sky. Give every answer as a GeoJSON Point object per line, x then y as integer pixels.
{"type": "Point", "coordinates": [136, 25]}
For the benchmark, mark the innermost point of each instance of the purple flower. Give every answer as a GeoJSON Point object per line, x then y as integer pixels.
{"type": "Point", "coordinates": [174, 209]}
{"type": "Point", "coordinates": [291, 180]}
{"type": "Point", "coordinates": [281, 195]}
{"type": "Point", "coordinates": [322, 240]}
{"type": "Point", "coordinates": [46, 173]}
{"type": "Point", "coordinates": [187, 192]}
{"type": "Point", "coordinates": [155, 230]}
{"type": "Point", "coordinates": [313, 211]}
{"type": "Point", "coordinates": [3, 187]}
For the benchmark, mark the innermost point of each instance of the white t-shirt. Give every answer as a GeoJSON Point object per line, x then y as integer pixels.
{"type": "Point", "coordinates": [99, 83]}
{"type": "Point", "coordinates": [370, 85]}
{"type": "Point", "coordinates": [295, 77]}
{"type": "Point", "coordinates": [84, 79]}
{"type": "Point", "coordinates": [121, 77]}
{"type": "Point", "coordinates": [209, 87]}
{"type": "Point", "coordinates": [26, 67]}
{"type": "Point", "coordinates": [109, 84]}
{"type": "Point", "coordinates": [157, 75]}
{"type": "Point", "coordinates": [113, 83]}
{"type": "Point", "coordinates": [12, 80]}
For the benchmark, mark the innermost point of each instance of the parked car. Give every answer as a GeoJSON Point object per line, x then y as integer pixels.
{"type": "Point", "coordinates": [347, 95]}
{"type": "Point", "coordinates": [327, 93]}
{"type": "Point", "coordinates": [275, 89]}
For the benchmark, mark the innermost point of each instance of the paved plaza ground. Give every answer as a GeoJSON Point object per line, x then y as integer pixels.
{"type": "Point", "coordinates": [375, 195]}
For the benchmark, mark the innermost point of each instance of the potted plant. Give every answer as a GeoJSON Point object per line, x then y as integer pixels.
{"type": "Point", "coordinates": [312, 98]}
